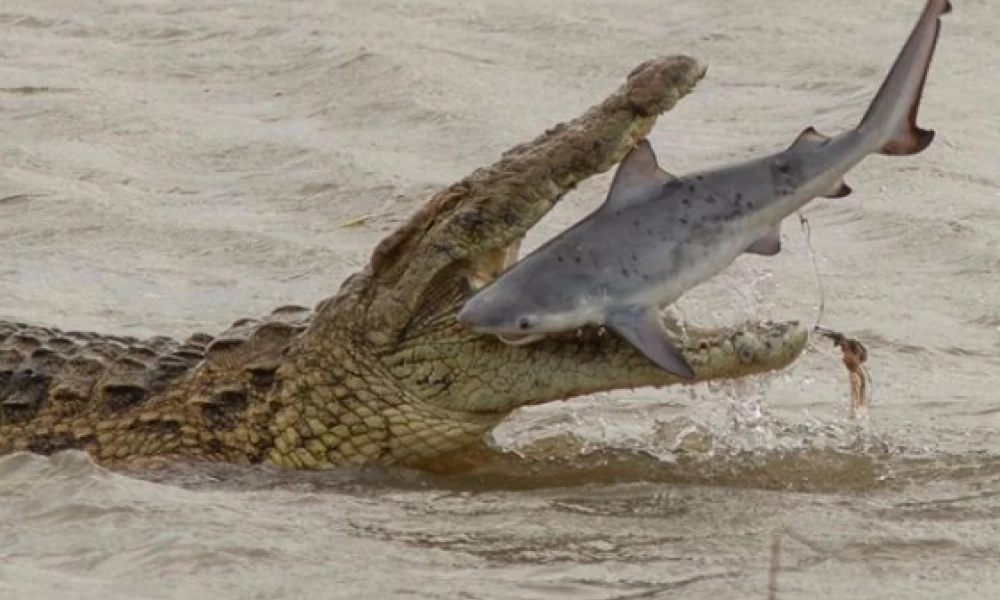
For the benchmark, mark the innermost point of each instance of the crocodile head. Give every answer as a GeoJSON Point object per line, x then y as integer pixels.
{"type": "Point", "coordinates": [382, 372]}
{"type": "Point", "coordinates": [442, 385]}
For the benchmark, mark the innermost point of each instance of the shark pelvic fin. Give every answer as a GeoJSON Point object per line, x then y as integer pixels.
{"type": "Point", "coordinates": [643, 328]}
{"type": "Point", "coordinates": [839, 190]}
{"type": "Point", "coordinates": [768, 244]}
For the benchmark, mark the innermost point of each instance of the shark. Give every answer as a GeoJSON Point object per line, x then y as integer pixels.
{"type": "Point", "coordinates": [657, 236]}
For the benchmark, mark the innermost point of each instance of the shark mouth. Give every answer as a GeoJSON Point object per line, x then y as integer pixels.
{"type": "Point", "coordinates": [514, 339]}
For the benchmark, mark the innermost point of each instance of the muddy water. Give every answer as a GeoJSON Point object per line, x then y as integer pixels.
{"type": "Point", "coordinates": [168, 167]}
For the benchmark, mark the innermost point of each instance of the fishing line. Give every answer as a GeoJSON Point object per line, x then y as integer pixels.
{"type": "Point", "coordinates": [839, 339]}
{"type": "Point", "coordinates": [807, 229]}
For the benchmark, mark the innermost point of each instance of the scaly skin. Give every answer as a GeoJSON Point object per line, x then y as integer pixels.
{"type": "Point", "coordinates": [381, 373]}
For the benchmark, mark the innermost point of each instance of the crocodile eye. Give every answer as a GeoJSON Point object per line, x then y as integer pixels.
{"type": "Point", "coordinates": [524, 323]}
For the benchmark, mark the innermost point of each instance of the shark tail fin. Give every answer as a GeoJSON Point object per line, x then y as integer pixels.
{"type": "Point", "coordinates": [892, 115]}
{"type": "Point", "coordinates": [910, 140]}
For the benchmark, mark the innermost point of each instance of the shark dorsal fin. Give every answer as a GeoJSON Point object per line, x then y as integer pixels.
{"type": "Point", "coordinates": [810, 138]}
{"type": "Point", "coordinates": [638, 168]}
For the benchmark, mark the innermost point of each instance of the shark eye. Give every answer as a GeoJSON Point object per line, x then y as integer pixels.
{"type": "Point", "coordinates": [524, 323]}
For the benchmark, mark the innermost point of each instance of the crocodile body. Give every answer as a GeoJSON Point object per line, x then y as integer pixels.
{"type": "Point", "coordinates": [380, 373]}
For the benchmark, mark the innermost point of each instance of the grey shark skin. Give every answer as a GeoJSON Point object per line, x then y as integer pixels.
{"type": "Point", "coordinates": [656, 236]}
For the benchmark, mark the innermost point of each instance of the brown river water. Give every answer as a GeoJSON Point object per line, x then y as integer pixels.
{"type": "Point", "coordinates": [170, 166]}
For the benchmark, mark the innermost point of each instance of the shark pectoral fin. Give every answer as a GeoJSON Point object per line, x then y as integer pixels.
{"type": "Point", "coordinates": [768, 244]}
{"type": "Point", "coordinates": [643, 328]}
{"type": "Point", "coordinates": [639, 167]}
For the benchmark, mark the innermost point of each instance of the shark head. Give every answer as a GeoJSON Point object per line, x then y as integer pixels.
{"type": "Point", "coordinates": [516, 311]}
{"type": "Point", "coordinates": [559, 287]}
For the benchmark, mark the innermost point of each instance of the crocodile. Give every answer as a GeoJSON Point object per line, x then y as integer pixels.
{"type": "Point", "coordinates": [380, 373]}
